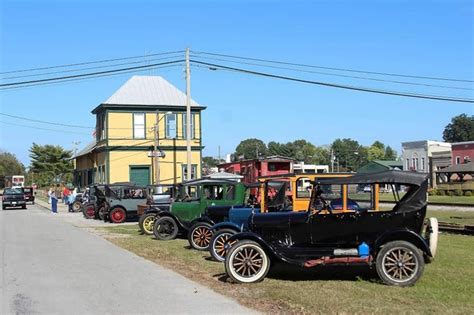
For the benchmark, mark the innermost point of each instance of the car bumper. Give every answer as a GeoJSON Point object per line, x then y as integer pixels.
{"type": "Point", "coordinates": [13, 203]}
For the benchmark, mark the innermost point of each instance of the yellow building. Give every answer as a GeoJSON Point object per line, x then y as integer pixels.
{"type": "Point", "coordinates": [122, 151]}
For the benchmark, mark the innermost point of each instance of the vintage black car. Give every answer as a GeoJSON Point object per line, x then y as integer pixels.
{"type": "Point", "coordinates": [398, 242]}
{"type": "Point", "coordinates": [94, 203]}
{"type": "Point", "coordinates": [13, 197]}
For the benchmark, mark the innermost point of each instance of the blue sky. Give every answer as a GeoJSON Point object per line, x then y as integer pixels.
{"type": "Point", "coordinates": [429, 38]}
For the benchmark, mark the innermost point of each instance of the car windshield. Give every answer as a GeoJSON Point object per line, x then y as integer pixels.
{"type": "Point", "coordinates": [12, 191]}
{"type": "Point", "coordinates": [27, 190]}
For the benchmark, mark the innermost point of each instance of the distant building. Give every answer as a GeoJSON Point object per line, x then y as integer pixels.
{"type": "Point", "coordinates": [303, 168]}
{"type": "Point", "coordinates": [462, 152]}
{"type": "Point", "coordinates": [124, 136]}
{"type": "Point", "coordinates": [380, 166]}
{"type": "Point", "coordinates": [418, 156]}
{"type": "Point", "coordinates": [254, 168]}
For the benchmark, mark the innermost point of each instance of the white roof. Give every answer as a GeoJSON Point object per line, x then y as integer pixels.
{"type": "Point", "coordinates": [148, 90]}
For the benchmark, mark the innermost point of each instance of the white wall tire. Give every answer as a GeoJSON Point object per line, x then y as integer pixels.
{"type": "Point", "coordinates": [431, 236]}
{"type": "Point", "coordinates": [247, 262]}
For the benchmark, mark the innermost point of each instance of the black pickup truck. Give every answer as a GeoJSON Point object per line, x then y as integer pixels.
{"type": "Point", "coordinates": [13, 197]}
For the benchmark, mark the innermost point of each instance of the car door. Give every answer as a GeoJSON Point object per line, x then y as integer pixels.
{"type": "Point", "coordinates": [336, 229]}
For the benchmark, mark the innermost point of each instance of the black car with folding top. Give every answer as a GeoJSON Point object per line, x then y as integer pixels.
{"type": "Point", "coordinates": [396, 241]}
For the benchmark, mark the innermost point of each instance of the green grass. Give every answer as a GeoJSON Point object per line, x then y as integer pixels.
{"type": "Point", "coordinates": [445, 287]}
{"type": "Point", "coordinates": [459, 217]}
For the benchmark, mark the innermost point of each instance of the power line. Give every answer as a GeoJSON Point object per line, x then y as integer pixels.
{"type": "Point", "coordinates": [47, 129]}
{"type": "Point", "coordinates": [45, 122]}
{"type": "Point", "coordinates": [87, 78]}
{"type": "Point", "coordinates": [336, 74]}
{"type": "Point", "coordinates": [88, 74]}
{"type": "Point", "coordinates": [88, 68]}
{"type": "Point", "coordinates": [347, 87]}
{"type": "Point", "coordinates": [93, 62]}
{"type": "Point", "coordinates": [333, 68]}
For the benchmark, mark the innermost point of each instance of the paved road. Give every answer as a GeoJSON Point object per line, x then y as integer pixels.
{"type": "Point", "coordinates": [50, 266]}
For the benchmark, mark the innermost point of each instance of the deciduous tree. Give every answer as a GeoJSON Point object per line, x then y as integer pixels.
{"type": "Point", "coordinates": [460, 129]}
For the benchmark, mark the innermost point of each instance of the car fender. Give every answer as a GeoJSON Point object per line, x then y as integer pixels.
{"type": "Point", "coordinates": [108, 210]}
{"type": "Point", "coordinates": [257, 239]}
{"type": "Point", "coordinates": [226, 225]}
{"type": "Point", "coordinates": [169, 214]}
{"type": "Point", "coordinates": [403, 235]}
{"type": "Point", "coordinates": [201, 219]}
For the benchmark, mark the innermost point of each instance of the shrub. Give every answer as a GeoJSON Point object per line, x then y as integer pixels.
{"type": "Point", "coordinates": [468, 193]}
{"type": "Point", "coordinates": [432, 192]}
{"type": "Point", "coordinates": [450, 193]}
{"type": "Point", "coordinates": [458, 192]}
{"type": "Point", "coordinates": [441, 192]}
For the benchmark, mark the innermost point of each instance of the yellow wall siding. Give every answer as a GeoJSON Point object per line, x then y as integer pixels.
{"type": "Point", "coordinates": [120, 162]}
{"type": "Point", "coordinates": [120, 125]}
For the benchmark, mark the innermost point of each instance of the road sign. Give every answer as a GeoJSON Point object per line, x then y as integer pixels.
{"type": "Point", "coordinates": [156, 154]}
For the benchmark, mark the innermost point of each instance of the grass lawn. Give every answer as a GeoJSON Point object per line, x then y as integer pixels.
{"type": "Point", "coordinates": [447, 285]}
{"type": "Point", "coordinates": [459, 217]}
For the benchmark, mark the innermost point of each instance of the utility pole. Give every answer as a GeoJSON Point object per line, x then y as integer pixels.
{"type": "Point", "coordinates": [156, 159]}
{"type": "Point", "coordinates": [332, 160]}
{"type": "Point", "coordinates": [219, 154]}
{"type": "Point", "coordinates": [188, 116]}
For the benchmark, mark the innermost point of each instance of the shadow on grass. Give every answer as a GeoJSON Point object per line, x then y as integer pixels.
{"type": "Point", "coordinates": [281, 271]}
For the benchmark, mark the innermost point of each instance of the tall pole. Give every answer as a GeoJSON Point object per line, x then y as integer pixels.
{"type": "Point", "coordinates": [188, 116]}
{"type": "Point", "coordinates": [332, 161]}
{"type": "Point", "coordinates": [156, 159]}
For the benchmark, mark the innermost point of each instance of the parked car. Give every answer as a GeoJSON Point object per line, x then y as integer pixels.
{"type": "Point", "coordinates": [29, 194]}
{"type": "Point", "coordinates": [13, 197]}
{"type": "Point", "coordinates": [122, 201]}
{"type": "Point", "coordinates": [94, 204]}
{"type": "Point", "coordinates": [187, 214]}
{"type": "Point", "coordinates": [159, 199]}
{"type": "Point", "coordinates": [394, 241]}
{"type": "Point", "coordinates": [274, 190]}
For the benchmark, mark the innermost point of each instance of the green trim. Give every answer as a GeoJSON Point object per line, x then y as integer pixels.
{"type": "Point", "coordinates": [107, 165]}
{"type": "Point", "coordinates": [140, 108]}
{"type": "Point", "coordinates": [148, 148]}
{"type": "Point", "coordinates": [133, 125]}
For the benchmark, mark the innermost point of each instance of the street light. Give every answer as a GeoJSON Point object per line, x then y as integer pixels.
{"type": "Point", "coordinates": [156, 160]}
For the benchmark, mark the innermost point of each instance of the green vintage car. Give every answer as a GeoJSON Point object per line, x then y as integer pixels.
{"type": "Point", "coordinates": [199, 205]}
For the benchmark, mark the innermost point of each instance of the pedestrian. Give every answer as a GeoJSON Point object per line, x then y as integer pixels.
{"type": "Point", "coordinates": [50, 191]}
{"type": "Point", "coordinates": [54, 202]}
{"type": "Point", "coordinates": [66, 193]}
{"type": "Point", "coordinates": [72, 199]}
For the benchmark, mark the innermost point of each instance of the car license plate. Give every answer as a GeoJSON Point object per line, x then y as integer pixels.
{"type": "Point", "coordinates": [14, 203]}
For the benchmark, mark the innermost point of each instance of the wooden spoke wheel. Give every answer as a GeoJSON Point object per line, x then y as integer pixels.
{"type": "Point", "coordinates": [217, 245]}
{"type": "Point", "coordinates": [146, 223]}
{"type": "Point", "coordinates": [89, 212]}
{"type": "Point", "coordinates": [247, 262]}
{"type": "Point", "coordinates": [117, 215]}
{"type": "Point", "coordinates": [399, 263]}
{"type": "Point", "coordinates": [165, 228]}
{"type": "Point", "coordinates": [199, 236]}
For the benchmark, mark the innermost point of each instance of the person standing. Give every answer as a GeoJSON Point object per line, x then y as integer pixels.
{"type": "Point", "coordinates": [54, 201]}
{"type": "Point", "coordinates": [50, 192]}
{"type": "Point", "coordinates": [66, 193]}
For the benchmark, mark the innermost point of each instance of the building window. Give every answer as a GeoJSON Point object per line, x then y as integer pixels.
{"type": "Point", "coordinates": [193, 120]}
{"type": "Point", "coordinates": [423, 163]}
{"type": "Point", "coordinates": [185, 173]}
{"type": "Point", "coordinates": [139, 126]}
{"type": "Point", "coordinates": [408, 165]}
{"type": "Point", "coordinates": [170, 121]}
{"type": "Point", "coordinates": [413, 163]}
{"type": "Point", "coordinates": [458, 160]}
{"type": "Point", "coordinates": [467, 159]}
{"type": "Point", "coordinates": [100, 127]}
{"type": "Point", "coordinates": [272, 167]}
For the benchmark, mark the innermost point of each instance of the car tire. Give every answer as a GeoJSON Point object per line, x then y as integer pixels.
{"type": "Point", "coordinates": [89, 212]}
{"type": "Point", "coordinates": [399, 263]}
{"type": "Point", "coordinates": [236, 265]}
{"type": "Point", "coordinates": [146, 223]}
{"type": "Point", "coordinates": [23, 207]}
{"type": "Point", "coordinates": [199, 235]}
{"type": "Point", "coordinates": [165, 229]}
{"type": "Point", "coordinates": [4, 208]}
{"type": "Point", "coordinates": [101, 213]}
{"type": "Point", "coordinates": [76, 206]}
{"type": "Point", "coordinates": [431, 237]}
{"type": "Point", "coordinates": [216, 246]}
{"type": "Point", "coordinates": [117, 215]}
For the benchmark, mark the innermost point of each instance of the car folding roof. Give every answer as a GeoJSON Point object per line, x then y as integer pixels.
{"type": "Point", "coordinates": [385, 177]}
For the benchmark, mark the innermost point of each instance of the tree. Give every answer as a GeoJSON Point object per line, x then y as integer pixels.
{"type": "Point", "coordinates": [376, 151]}
{"type": "Point", "coordinates": [208, 162]}
{"type": "Point", "coordinates": [50, 163]}
{"type": "Point", "coordinates": [248, 149]}
{"type": "Point", "coordinates": [460, 129]}
{"type": "Point", "coordinates": [9, 165]}
{"type": "Point", "coordinates": [390, 154]}
{"type": "Point", "coordinates": [349, 154]}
